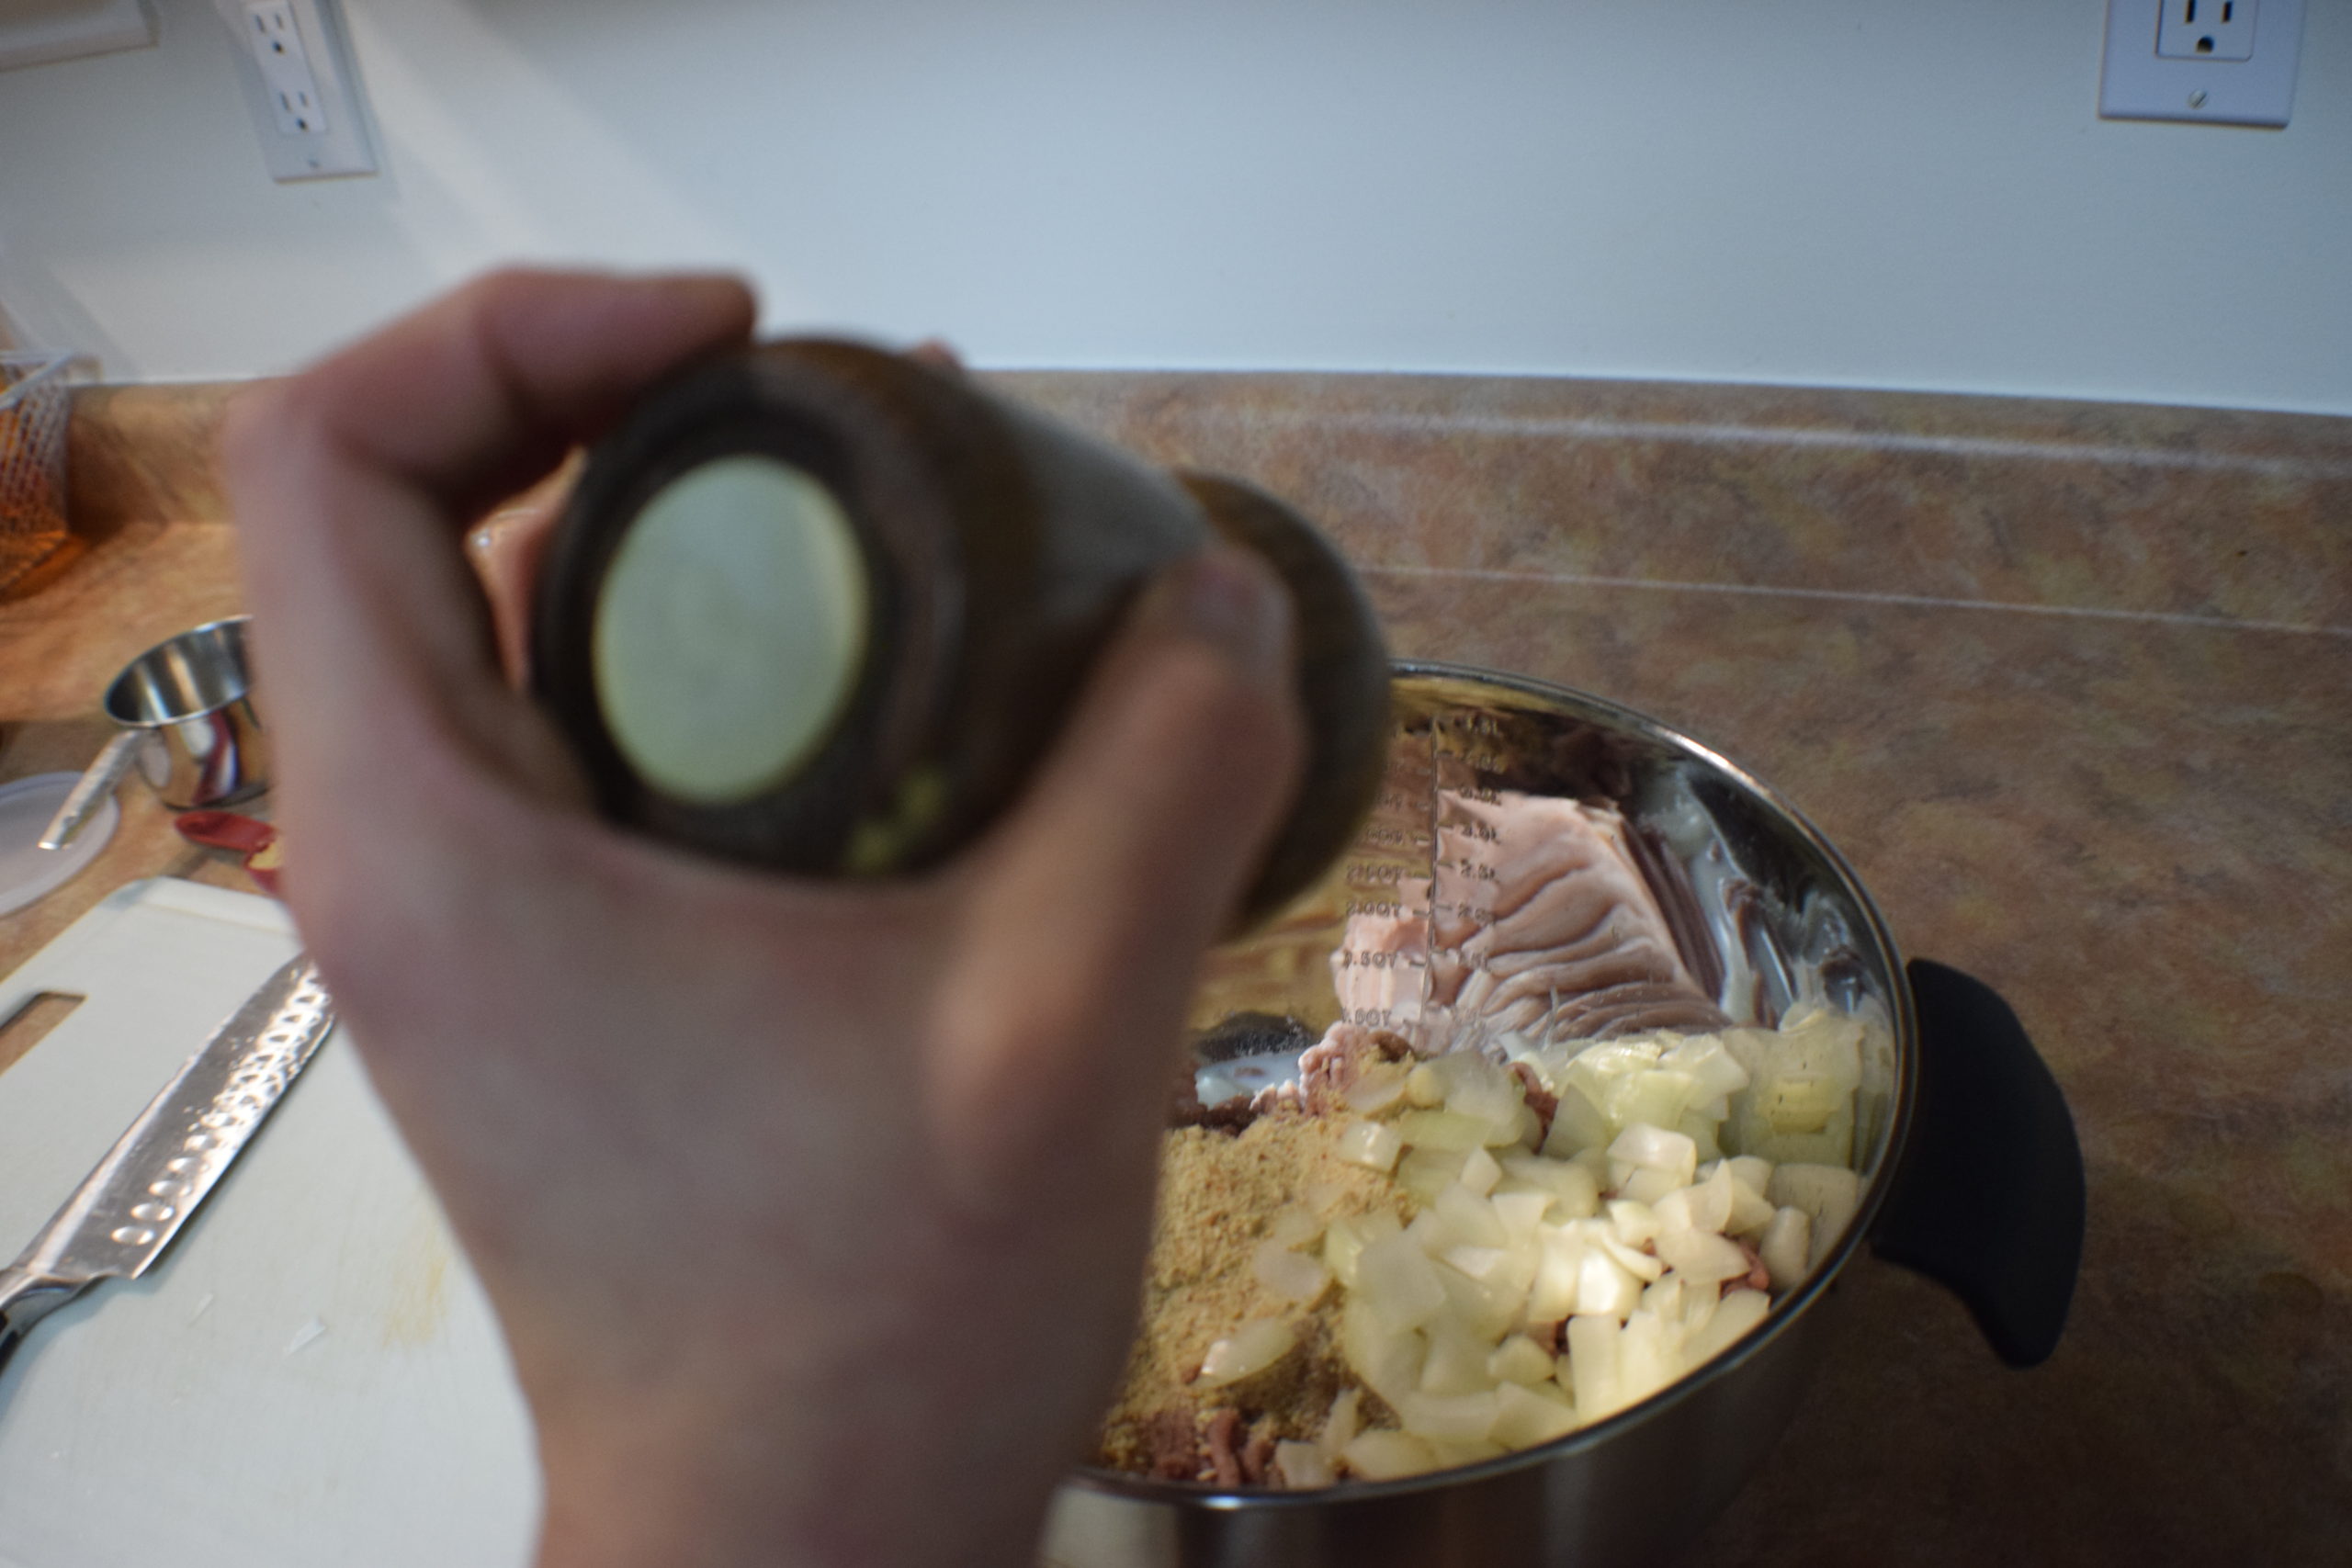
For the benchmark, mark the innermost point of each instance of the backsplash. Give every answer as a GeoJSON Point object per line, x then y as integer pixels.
{"type": "Point", "coordinates": [2239, 518]}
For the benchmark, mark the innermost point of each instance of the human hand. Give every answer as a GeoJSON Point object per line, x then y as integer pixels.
{"type": "Point", "coordinates": [814, 1214]}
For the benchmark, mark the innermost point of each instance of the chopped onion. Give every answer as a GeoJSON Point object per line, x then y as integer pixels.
{"type": "Point", "coordinates": [1248, 1350]}
{"type": "Point", "coordinates": [1479, 1172]}
{"type": "Point", "coordinates": [1379, 1087]}
{"type": "Point", "coordinates": [1389, 1456]}
{"type": "Point", "coordinates": [1738, 1311]}
{"type": "Point", "coordinates": [1519, 1360]}
{"type": "Point", "coordinates": [1450, 1417]}
{"type": "Point", "coordinates": [1340, 1427]}
{"type": "Point", "coordinates": [1372, 1144]}
{"type": "Point", "coordinates": [1527, 1416]}
{"type": "Point", "coordinates": [1470, 1217]}
{"type": "Point", "coordinates": [1592, 1363]}
{"type": "Point", "coordinates": [1387, 1359]}
{"type": "Point", "coordinates": [1635, 1222]}
{"type": "Point", "coordinates": [1655, 1148]}
{"type": "Point", "coordinates": [1303, 1466]}
{"type": "Point", "coordinates": [1520, 1212]}
{"type": "Point", "coordinates": [1559, 1265]}
{"type": "Point", "coordinates": [1573, 1186]}
{"type": "Point", "coordinates": [1604, 1289]}
{"type": "Point", "coordinates": [1701, 1257]}
{"type": "Point", "coordinates": [1293, 1226]}
{"type": "Point", "coordinates": [1395, 1278]}
{"type": "Point", "coordinates": [1787, 1246]}
{"type": "Point", "coordinates": [1447, 1130]}
{"type": "Point", "coordinates": [1291, 1275]}
{"type": "Point", "coordinates": [1827, 1193]}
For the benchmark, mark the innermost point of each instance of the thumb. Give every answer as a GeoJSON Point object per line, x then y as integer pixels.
{"type": "Point", "coordinates": [1090, 904]}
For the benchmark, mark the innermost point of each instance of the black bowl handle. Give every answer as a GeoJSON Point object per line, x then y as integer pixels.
{"type": "Point", "coordinates": [1988, 1200]}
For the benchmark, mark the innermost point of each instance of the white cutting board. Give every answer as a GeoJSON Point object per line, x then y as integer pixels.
{"type": "Point", "coordinates": [310, 1375]}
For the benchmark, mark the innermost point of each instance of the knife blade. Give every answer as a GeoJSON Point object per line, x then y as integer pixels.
{"type": "Point", "coordinates": [129, 1209]}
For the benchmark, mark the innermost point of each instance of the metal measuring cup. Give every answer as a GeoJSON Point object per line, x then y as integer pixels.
{"type": "Point", "coordinates": [184, 712]}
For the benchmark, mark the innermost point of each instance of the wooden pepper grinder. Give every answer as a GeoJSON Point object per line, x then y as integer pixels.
{"type": "Point", "coordinates": [822, 607]}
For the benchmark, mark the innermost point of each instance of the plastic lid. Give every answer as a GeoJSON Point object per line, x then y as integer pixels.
{"type": "Point", "coordinates": [28, 872]}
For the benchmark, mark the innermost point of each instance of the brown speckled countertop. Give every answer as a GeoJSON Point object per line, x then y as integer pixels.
{"type": "Point", "coordinates": [2070, 684]}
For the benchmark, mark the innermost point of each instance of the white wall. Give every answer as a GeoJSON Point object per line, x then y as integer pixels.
{"type": "Point", "coordinates": [1868, 192]}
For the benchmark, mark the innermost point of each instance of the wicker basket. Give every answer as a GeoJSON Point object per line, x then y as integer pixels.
{"type": "Point", "coordinates": [34, 405]}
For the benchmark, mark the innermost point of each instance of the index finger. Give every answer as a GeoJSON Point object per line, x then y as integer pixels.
{"type": "Point", "coordinates": [352, 482]}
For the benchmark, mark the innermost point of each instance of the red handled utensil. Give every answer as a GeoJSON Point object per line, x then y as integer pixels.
{"type": "Point", "coordinates": [237, 833]}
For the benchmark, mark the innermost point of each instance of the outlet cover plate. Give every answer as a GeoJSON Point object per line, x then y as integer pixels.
{"type": "Point", "coordinates": [342, 145]}
{"type": "Point", "coordinates": [2139, 83]}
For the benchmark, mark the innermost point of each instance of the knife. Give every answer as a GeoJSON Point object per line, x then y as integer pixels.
{"type": "Point", "coordinates": [129, 1209]}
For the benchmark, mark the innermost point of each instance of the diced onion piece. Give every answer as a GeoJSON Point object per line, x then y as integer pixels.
{"type": "Point", "coordinates": [1636, 1262]}
{"type": "Point", "coordinates": [1709, 1203]}
{"type": "Point", "coordinates": [1750, 1212]}
{"type": "Point", "coordinates": [1490, 1306]}
{"type": "Point", "coordinates": [1340, 1427]}
{"type": "Point", "coordinates": [1452, 1456]}
{"type": "Point", "coordinates": [1634, 1220]}
{"type": "Point", "coordinates": [1372, 1144]}
{"type": "Point", "coordinates": [1604, 1289]}
{"type": "Point", "coordinates": [1303, 1466]}
{"type": "Point", "coordinates": [1293, 1226]}
{"type": "Point", "coordinates": [1424, 1087]}
{"type": "Point", "coordinates": [1701, 1257]}
{"type": "Point", "coordinates": [1476, 1087]}
{"type": "Point", "coordinates": [1645, 1185]}
{"type": "Point", "coordinates": [1342, 1245]}
{"type": "Point", "coordinates": [1577, 1124]}
{"type": "Point", "coordinates": [1828, 1194]}
{"type": "Point", "coordinates": [1520, 1212]}
{"type": "Point", "coordinates": [1553, 1294]}
{"type": "Point", "coordinates": [1293, 1276]}
{"type": "Point", "coordinates": [1478, 1262]}
{"type": "Point", "coordinates": [1379, 1087]}
{"type": "Point", "coordinates": [1447, 1130]}
{"type": "Point", "coordinates": [1470, 1217]}
{"type": "Point", "coordinates": [1387, 1359]}
{"type": "Point", "coordinates": [1425, 1173]}
{"type": "Point", "coordinates": [1456, 1362]}
{"type": "Point", "coordinates": [1325, 1198]}
{"type": "Point", "coordinates": [1787, 1246]}
{"type": "Point", "coordinates": [1655, 1148]}
{"type": "Point", "coordinates": [1450, 1417]}
{"type": "Point", "coordinates": [1479, 1172]}
{"type": "Point", "coordinates": [1573, 1186]}
{"type": "Point", "coordinates": [1525, 1417]}
{"type": "Point", "coordinates": [1519, 1360]}
{"type": "Point", "coordinates": [1649, 1357]}
{"type": "Point", "coordinates": [1396, 1280]}
{"type": "Point", "coordinates": [1592, 1365]}
{"type": "Point", "coordinates": [1756, 1174]}
{"type": "Point", "coordinates": [1383, 1455]}
{"type": "Point", "coordinates": [1738, 1311]}
{"type": "Point", "coordinates": [1246, 1351]}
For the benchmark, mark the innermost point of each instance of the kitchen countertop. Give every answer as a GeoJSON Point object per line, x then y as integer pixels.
{"type": "Point", "coordinates": [2070, 684]}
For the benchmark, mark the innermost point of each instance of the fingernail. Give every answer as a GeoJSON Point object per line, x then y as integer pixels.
{"type": "Point", "coordinates": [1229, 597]}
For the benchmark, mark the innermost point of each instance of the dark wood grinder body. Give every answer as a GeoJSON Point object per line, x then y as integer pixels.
{"type": "Point", "coordinates": [1000, 550]}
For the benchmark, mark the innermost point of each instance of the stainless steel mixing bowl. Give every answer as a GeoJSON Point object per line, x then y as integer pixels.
{"type": "Point", "coordinates": [1971, 1171]}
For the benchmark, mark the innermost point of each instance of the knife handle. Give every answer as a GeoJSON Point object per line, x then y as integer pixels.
{"type": "Point", "coordinates": [25, 1298]}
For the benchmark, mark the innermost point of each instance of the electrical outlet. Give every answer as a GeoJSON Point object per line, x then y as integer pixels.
{"type": "Point", "coordinates": [2229, 61]}
{"type": "Point", "coordinates": [2206, 29]}
{"type": "Point", "coordinates": [295, 64]}
{"type": "Point", "coordinates": [285, 67]}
